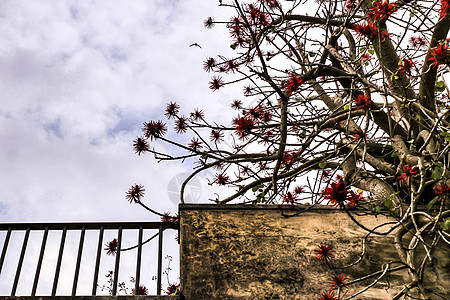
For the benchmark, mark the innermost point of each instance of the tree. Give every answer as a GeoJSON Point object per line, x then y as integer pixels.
{"type": "Point", "coordinates": [352, 112]}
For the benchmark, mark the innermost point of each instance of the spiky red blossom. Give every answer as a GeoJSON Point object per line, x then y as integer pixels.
{"type": "Point", "coordinates": [172, 110]}
{"type": "Point", "coordinates": [328, 296]}
{"type": "Point", "coordinates": [351, 4]}
{"type": "Point", "coordinates": [367, 29]}
{"type": "Point", "coordinates": [444, 9]}
{"type": "Point", "coordinates": [244, 125]}
{"type": "Point", "coordinates": [195, 145]}
{"type": "Point", "coordinates": [336, 193]}
{"type": "Point", "coordinates": [135, 193]}
{"type": "Point", "coordinates": [337, 281]}
{"type": "Point", "coordinates": [353, 199]}
{"type": "Point", "coordinates": [232, 66]}
{"type": "Point", "coordinates": [140, 145]}
{"type": "Point", "coordinates": [222, 179]}
{"type": "Point", "coordinates": [325, 252]}
{"type": "Point", "coordinates": [288, 158]}
{"type": "Point", "coordinates": [362, 101]}
{"type": "Point", "coordinates": [209, 64]}
{"type": "Point", "coordinates": [237, 104]}
{"type": "Point", "coordinates": [272, 3]}
{"type": "Point", "coordinates": [197, 115]}
{"type": "Point", "coordinates": [111, 247]}
{"type": "Point", "coordinates": [440, 55]}
{"type": "Point", "coordinates": [407, 173]}
{"type": "Point", "coordinates": [209, 22]}
{"type": "Point", "coordinates": [169, 218]}
{"type": "Point", "coordinates": [406, 66]}
{"type": "Point", "coordinates": [181, 125]}
{"type": "Point", "coordinates": [417, 42]}
{"type": "Point", "coordinates": [153, 130]}
{"type": "Point", "coordinates": [216, 136]}
{"type": "Point", "coordinates": [173, 289]}
{"type": "Point", "coordinates": [290, 198]}
{"type": "Point", "coordinates": [443, 190]}
{"type": "Point", "coordinates": [298, 190]}
{"type": "Point", "coordinates": [216, 83]}
{"type": "Point", "coordinates": [248, 90]}
{"type": "Point", "coordinates": [293, 83]}
{"type": "Point", "coordinates": [382, 10]}
{"type": "Point", "coordinates": [142, 290]}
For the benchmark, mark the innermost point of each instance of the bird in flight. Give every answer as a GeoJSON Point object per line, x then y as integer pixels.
{"type": "Point", "coordinates": [196, 45]}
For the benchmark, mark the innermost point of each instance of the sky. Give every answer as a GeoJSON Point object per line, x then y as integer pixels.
{"type": "Point", "coordinates": [77, 80]}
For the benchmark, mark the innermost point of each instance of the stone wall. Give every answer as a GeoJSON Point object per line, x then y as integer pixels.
{"type": "Point", "coordinates": [253, 252]}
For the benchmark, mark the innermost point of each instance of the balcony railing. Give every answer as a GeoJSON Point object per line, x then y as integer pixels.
{"type": "Point", "coordinates": [116, 227]}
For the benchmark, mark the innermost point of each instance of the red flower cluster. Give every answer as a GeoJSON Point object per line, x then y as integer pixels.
{"type": "Point", "coordinates": [195, 145]}
{"type": "Point", "coordinates": [407, 173]}
{"type": "Point", "coordinates": [406, 66]}
{"type": "Point", "coordinates": [362, 101]}
{"type": "Point", "coordinates": [337, 281]}
{"type": "Point", "coordinates": [111, 247]}
{"type": "Point", "coordinates": [209, 23]}
{"type": "Point", "coordinates": [351, 4]}
{"type": "Point", "coordinates": [181, 125]}
{"type": "Point", "coordinates": [290, 198]}
{"type": "Point", "coordinates": [244, 125]}
{"type": "Point", "coordinates": [444, 9]}
{"type": "Point", "coordinates": [237, 104]}
{"type": "Point", "coordinates": [338, 194]}
{"type": "Point", "coordinates": [142, 290]}
{"type": "Point", "coordinates": [222, 179]}
{"type": "Point", "coordinates": [327, 296]}
{"type": "Point", "coordinates": [258, 114]}
{"type": "Point", "coordinates": [153, 130]}
{"type": "Point", "coordinates": [292, 84]}
{"type": "Point", "coordinates": [216, 136]}
{"type": "Point", "coordinates": [216, 83]}
{"type": "Point", "coordinates": [382, 10]}
{"type": "Point", "coordinates": [256, 16]}
{"type": "Point", "coordinates": [172, 110]}
{"type": "Point", "coordinates": [173, 289]}
{"type": "Point", "coordinates": [140, 145]}
{"type": "Point", "coordinates": [325, 252]}
{"type": "Point", "coordinates": [439, 55]}
{"type": "Point", "coordinates": [368, 30]}
{"type": "Point", "coordinates": [168, 218]}
{"type": "Point", "coordinates": [417, 41]}
{"type": "Point", "coordinates": [209, 64]}
{"type": "Point", "coordinates": [135, 193]}
{"type": "Point", "coordinates": [197, 115]}
{"type": "Point", "coordinates": [443, 190]}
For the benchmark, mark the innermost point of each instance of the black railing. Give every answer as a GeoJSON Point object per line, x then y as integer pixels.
{"type": "Point", "coordinates": [83, 227]}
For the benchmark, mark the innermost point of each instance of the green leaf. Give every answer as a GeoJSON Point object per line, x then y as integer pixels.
{"type": "Point", "coordinates": [437, 173]}
{"type": "Point", "coordinates": [432, 202]}
{"type": "Point", "coordinates": [346, 106]}
{"type": "Point", "coordinates": [362, 49]}
{"type": "Point", "coordinates": [255, 188]}
{"type": "Point", "coordinates": [323, 164]}
{"type": "Point", "coordinates": [446, 225]}
{"type": "Point", "coordinates": [311, 54]}
{"type": "Point", "coordinates": [393, 154]}
{"type": "Point", "coordinates": [371, 51]}
{"type": "Point", "coordinates": [233, 46]}
{"type": "Point", "coordinates": [439, 86]}
{"type": "Point", "coordinates": [389, 204]}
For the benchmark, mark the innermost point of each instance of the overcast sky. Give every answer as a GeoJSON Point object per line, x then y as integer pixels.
{"type": "Point", "coordinates": [77, 80]}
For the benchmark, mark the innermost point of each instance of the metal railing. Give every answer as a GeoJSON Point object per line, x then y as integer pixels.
{"type": "Point", "coordinates": [83, 227]}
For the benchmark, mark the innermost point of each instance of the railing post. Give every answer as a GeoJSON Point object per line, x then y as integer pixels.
{"type": "Point", "coordinates": [97, 261]}
{"type": "Point", "coordinates": [138, 262]}
{"type": "Point", "coordinates": [58, 264]}
{"type": "Point", "coordinates": [19, 265]}
{"type": "Point", "coordinates": [116, 268]}
{"type": "Point", "coordinates": [160, 247]}
{"type": "Point", "coordinates": [38, 268]}
{"type": "Point", "coordinates": [77, 268]}
{"type": "Point", "coordinates": [5, 247]}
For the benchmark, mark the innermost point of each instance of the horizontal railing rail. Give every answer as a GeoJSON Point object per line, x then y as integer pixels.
{"type": "Point", "coordinates": [9, 228]}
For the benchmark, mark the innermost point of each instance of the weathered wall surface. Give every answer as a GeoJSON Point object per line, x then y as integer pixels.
{"type": "Point", "coordinates": [243, 252]}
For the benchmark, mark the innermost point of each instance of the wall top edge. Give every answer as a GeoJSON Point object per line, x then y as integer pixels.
{"type": "Point", "coordinates": [197, 206]}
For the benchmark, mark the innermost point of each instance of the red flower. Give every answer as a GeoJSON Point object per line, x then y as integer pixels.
{"type": "Point", "coordinates": [407, 172]}
{"type": "Point", "coordinates": [440, 55]}
{"type": "Point", "coordinates": [244, 125]}
{"type": "Point", "coordinates": [248, 90]}
{"type": "Point", "coordinates": [406, 66]}
{"type": "Point", "coordinates": [417, 42]}
{"type": "Point", "coordinates": [181, 125]}
{"type": "Point", "coordinates": [173, 289]}
{"type": "Point", "coordinates": [237, 104]}
{"type": "Point", "coordinates": [154, 130]}
{"type": "Point", "coordinates": [195, 145]}
{"type": "Point", "coordinates": [351, 4]}
{"type": "Point", "coordinates": [362, 101]}
{"type": "Point", "coordinates": [111, 247]}
{"type": "Point", "coordinates": [142, 290]}
{"type": "Point", "coordinates": [324, 252]}
{"type": "Point", "coordinates": [337, 281]}
{"type": "Point", "coordinates": [368, 30]}
{"type": "Point", "coordinates": [336, 193]}
{"type": "Point", "coordinates": [209, 22]}
{"type": "Point", "coordinates": [292, 84]}
{"type": "Point", "coordinates": [197, 115]}
{"type": "Point", "coordinates": [216, 83]}
{"type": "Point", "coordinates": [135, 193]}
{"type": "Point", "coordinates": [222, 179]}
{"type": "Point", "coordinates": [327, 296]}
{"type": "Point", "coordinates": [288, 159]}
{"type": "Point", "coordinates": [443, 190]}
{"type": "Point", "coordinates": [216, 136]}
{"type": "Point", "coordinates": [232, 66]}
{"type": "Point", "coordinates": [290, 198]}
{"type": "Point", "coordinates": [353, 199]}
{"type": "Point", "coordinates": [298, 190]}
{"type": "Point", "coordinates": [171, 110]}
{"type": "Point", "coordinates": [382, 10]}
{"type": "Point", "coordinates": [140, 145]}
{"type": "Point", "coordinates": [209, 64]}
{"type": "Point", "coordinates": [168, 218]}
{"type": "Point", "coordinates": [445, 7]}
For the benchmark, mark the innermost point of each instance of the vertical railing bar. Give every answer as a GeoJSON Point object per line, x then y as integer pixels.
{"type": "Point", "coordinates": [116, 268]}
{"type": "Point", "coordinates": [5, 247]}
{"type": "Point", "coordinates": [97, 261]}
{"type": "Point", "coordinates": [58, 264]}
{"type": "Point", "coordinates": [160, 247]}
{"type": "Point", "coordinates": [39, 264]}
{"type": "Point", "coordinates": [138, 262]}
{"type": "Point", "coordinates": [19, 265]}
{"type": "Point", "coordinates": [77, 268]}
